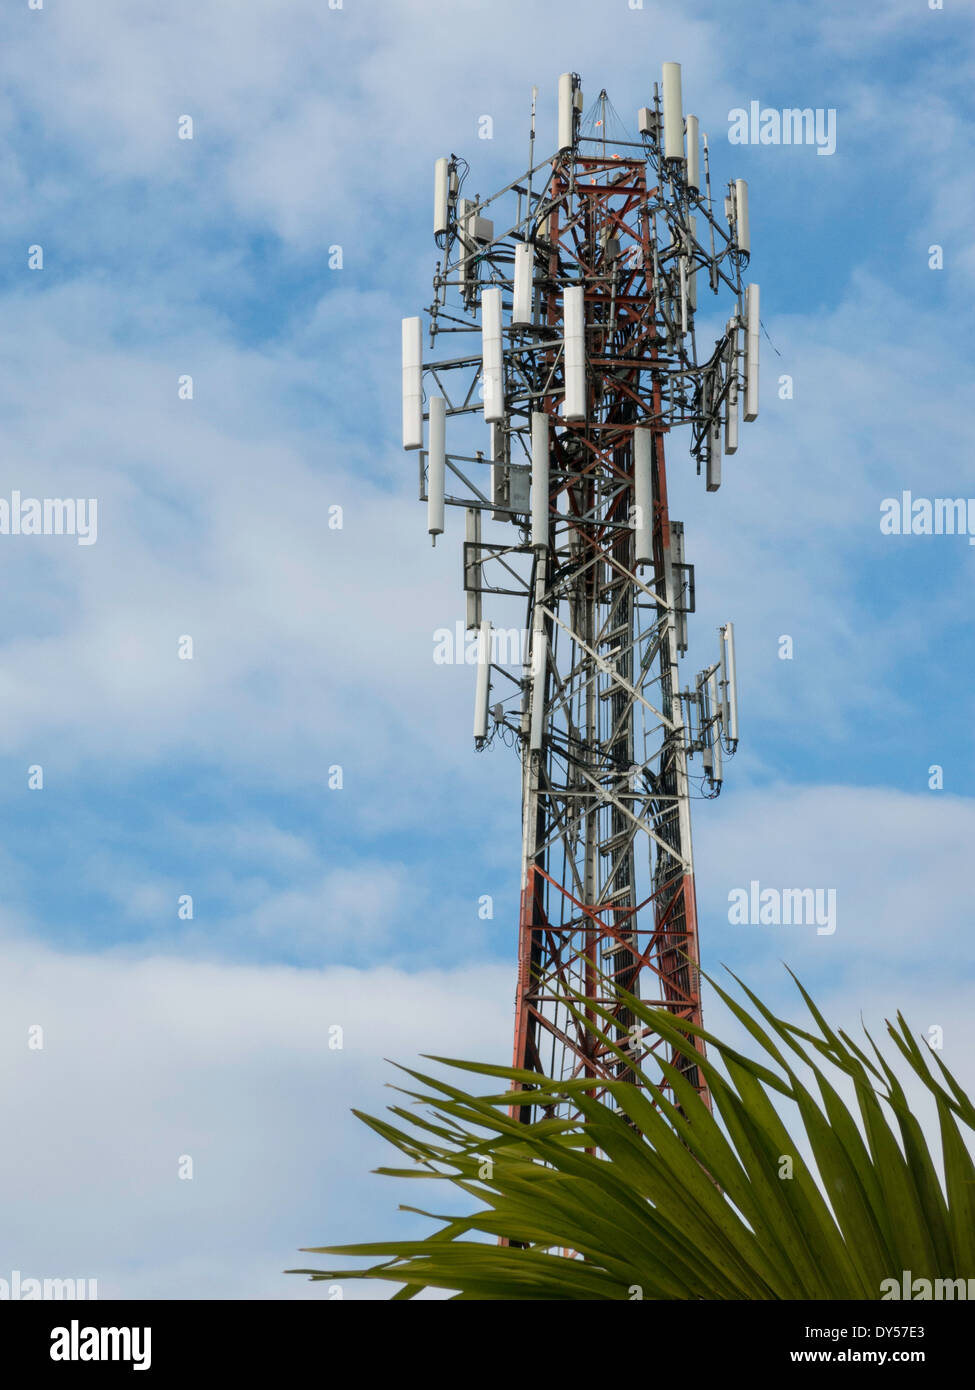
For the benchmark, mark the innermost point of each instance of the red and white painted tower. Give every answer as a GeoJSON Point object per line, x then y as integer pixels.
{"type": "Point", "coordinates": [581, 280]}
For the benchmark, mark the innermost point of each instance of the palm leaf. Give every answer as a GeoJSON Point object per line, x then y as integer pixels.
{"type": "Point", "coordinates": [648, 1194]}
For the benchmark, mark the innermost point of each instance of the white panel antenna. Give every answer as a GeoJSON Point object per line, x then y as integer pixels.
{"type": "Point", "coordinates": [566, 112]}
{"type": "Point", "coordinates": [540, 500]}
{"type": "Point", "coordinates": [730, 682]}
{"type": "Point", "coordinates": [482, 692]}
{"type": "Point", "coordinates": [436, 466]}
{"type": "Point", "coordinates": [521, 308]}
{"type": "Point", "coordinates": [539, 659]}
{"type": "Point", "coordinates": [714, 445]}
{"type": "Point", "coordinates": [574, 322]}
{"type": "Point", "coordinates": [492, 355]}
{"type": "Point", "coordinates": [643, 495]}
{"type": "Point", "coordinates": [752, 328]}
{"type": "Point", "coordinates": [440, 186]}
{"type": "Point", "coordinates": [412, 384]}
{"type": "Point", "coordinates": [693, 155]}
{"type": "Point", "coordinates": [741, 217]}
{"type": "Point", "coordinates": [715, 707]}
{"type": "Point", "coordinates": [673, 112]}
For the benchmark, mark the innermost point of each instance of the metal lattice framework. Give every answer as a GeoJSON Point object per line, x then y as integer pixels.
{"type": "Point", "coordinates": [586, 306]}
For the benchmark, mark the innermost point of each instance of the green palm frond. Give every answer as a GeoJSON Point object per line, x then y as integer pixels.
{"type": "Point", "coordinates": [650, 1195]}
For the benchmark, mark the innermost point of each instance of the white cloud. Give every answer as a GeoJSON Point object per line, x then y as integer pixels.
{"type": "Point", "coordinates": [147, 1060]}
{"type": "Point", "coordinates": [899, 866]}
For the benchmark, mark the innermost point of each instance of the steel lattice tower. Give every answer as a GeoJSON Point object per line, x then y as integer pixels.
{"type": "Point", "coordinates": [584, 294]}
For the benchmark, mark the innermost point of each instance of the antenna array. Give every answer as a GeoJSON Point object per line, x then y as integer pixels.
{"type": "Point", "coordinates": [576, 291]}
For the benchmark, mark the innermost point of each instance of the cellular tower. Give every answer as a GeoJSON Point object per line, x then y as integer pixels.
{"type": "Point", "coordinates": [587, 298]}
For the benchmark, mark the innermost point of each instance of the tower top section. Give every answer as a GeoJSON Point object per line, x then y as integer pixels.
{"type": "Point", "coordinates": [626, 226]}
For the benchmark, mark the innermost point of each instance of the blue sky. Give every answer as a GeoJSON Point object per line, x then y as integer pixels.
{"type": "Point", "coordinates": [313, 647]}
